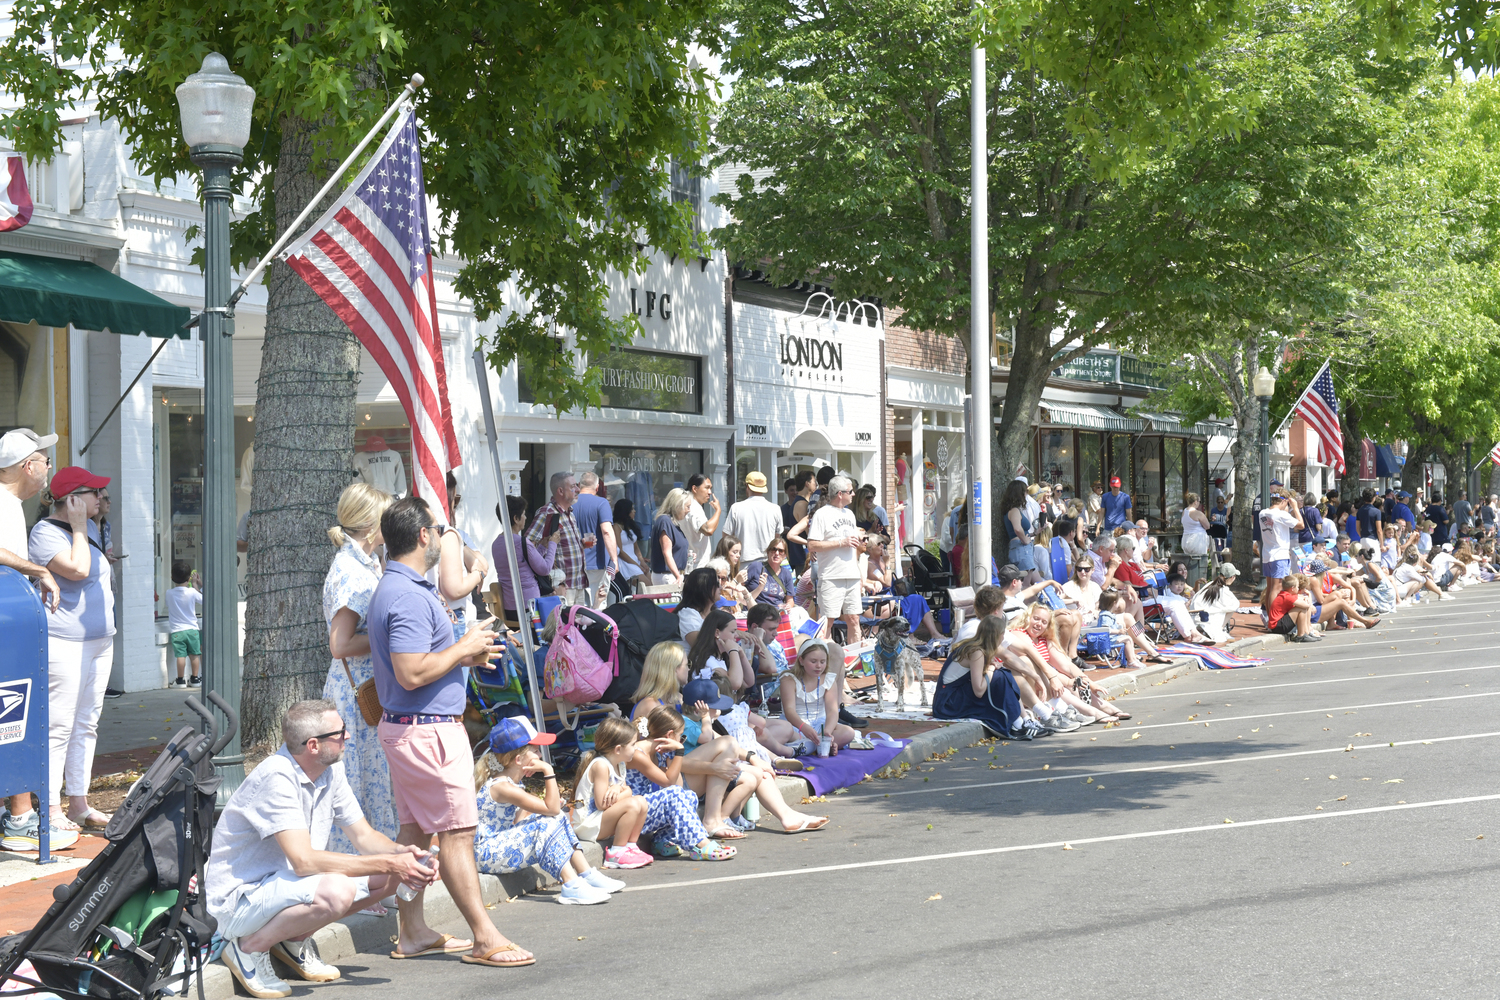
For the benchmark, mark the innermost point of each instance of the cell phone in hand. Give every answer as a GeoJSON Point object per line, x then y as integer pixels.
{"type": "Point", "coordinates": [553, 520]}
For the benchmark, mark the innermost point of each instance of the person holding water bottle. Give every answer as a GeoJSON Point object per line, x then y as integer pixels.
{"type": "Point", "coordinates": [271, 880]}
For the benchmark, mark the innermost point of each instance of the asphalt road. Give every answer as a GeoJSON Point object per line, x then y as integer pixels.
{"type": "Point", "coordinates": [1226, 842]}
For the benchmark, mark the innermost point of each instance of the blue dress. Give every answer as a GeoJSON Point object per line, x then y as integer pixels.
{"type": "Point", "coordinates": [999, 709]}
{"type": "Point", "coordinates": [350, 583]}
{"type": "Point", "coordinates": [502, 845]}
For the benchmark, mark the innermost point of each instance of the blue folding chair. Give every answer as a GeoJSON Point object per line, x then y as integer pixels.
{"type": "Point", "coordinates": [1103, 643]}
{"type": "Point", "coordinates": [1059, 561]}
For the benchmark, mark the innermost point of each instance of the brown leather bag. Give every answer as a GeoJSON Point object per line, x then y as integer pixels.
{"type": "Point", "coordinates": [366, 697]}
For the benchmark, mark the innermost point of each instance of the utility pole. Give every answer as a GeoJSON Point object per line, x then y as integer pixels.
{"type": "Point", "coordinates": [982, 428]}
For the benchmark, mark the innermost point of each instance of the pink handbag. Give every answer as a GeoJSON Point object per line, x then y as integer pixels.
{"type": "Point", "coordinates": [573, 672]}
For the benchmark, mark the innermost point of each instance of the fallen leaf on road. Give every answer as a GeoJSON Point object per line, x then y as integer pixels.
{"type": "Point", "coordinates": [936, 895]}
{"type": "Point", "coordinates": [1333, 777]}
{"type": "Point", "coordinates": [1318, 809]}
{"type": "Point", "coordinates": [1393, 781]}
{"type": "Point", "coordinates": [1255, 730]}
{"type": "Point", "coordinates": [1088, 781]}
{"type": "Point", "coordinates": [929, 826]}
{"type": "Point", "coordinates": [1480, 837]}
{"type": "Point", "coordinates": [1067, 847]}
{"type": "Point", "coordinates": [1341, 798]}
{"type": "Point", "coordinates": [1347, 863]}
{"type": "Point", "coordinates": [1349, 748]}
{"type": "Point", "coordinates": [1135, 736]}
{"type": "Point", "coordinates": [580, 939]}
{"type": "Point", "coordinates": [1101, 788]}
{"type": "Point", "coordinates": [1229, 821]}
{"type": "Point", "coordinates": [1046, 767]}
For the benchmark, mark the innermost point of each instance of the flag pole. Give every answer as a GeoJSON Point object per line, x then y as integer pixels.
{"type": "Point", "coordinates": [1306, 389]}
{"type": "Point", "coordinates": [412, 86]}
{"type": "Point", "coordinates": [1488, 457]}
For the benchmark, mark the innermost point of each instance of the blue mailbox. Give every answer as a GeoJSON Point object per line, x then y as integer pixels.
{"type": "Point", "coordinates": [23, 695]}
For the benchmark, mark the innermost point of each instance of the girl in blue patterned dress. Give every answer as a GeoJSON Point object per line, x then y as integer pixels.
{"type": "Point", "coordinates": [347, 590]}
{"type": "Point", "coordinates": [516, 829]}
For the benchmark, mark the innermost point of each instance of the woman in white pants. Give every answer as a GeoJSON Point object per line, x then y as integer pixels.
{"type": "Point", "coordinates": [80, 638]}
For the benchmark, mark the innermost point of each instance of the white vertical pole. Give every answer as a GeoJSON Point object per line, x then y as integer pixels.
{"type": "Point", "coordinates": [981, 430]}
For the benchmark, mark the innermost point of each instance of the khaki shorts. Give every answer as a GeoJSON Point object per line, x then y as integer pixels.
{"type": "Point", "coordinates": [837, 598]}
{"type": "Point", "coordinates": [432, 775]}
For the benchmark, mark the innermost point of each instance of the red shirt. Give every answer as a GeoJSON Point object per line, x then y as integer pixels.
{"type": "Point", "coordinates": [1128, 572]}
{"type": "Point", "coordinates": [1282, 604]}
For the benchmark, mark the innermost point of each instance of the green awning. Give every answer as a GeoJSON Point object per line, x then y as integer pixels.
{"type": "Point", "coordinates": [56, 292]}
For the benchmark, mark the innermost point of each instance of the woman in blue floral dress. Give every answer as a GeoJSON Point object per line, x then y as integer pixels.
{"type": "Point", "coordinates": [347, 590]}
{"type": "Point", "coordinates": [517, 829]}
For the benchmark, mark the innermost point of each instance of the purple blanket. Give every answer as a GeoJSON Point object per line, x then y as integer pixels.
{"type": "Point", "coordinates": [849, 767]}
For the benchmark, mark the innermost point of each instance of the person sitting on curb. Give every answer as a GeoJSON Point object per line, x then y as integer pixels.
{"type": "Point", "coordinates": [270, 880]}
{"type": "Point", "coordinates": [1292, 612]}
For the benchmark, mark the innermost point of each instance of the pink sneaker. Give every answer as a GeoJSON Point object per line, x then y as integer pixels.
{"type": "Point", "coordinates": [625, 857]}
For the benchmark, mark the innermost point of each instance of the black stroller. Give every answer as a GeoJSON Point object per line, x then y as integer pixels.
{"type": "Point", "coordinates": [137, 910]}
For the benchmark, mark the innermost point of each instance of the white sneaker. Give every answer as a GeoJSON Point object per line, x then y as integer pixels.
{"type": "Point", "coordinates": [1082, 718]}
{"type": "Point", "coordinates": [302, 958]}
{"type": "Point", "coordinates": [253, 970]}
{"type": "Point", "coordinates": [580, 893]}
{"type": "Point", "coordinates": [1447, 597]}
{"type": "Point", "coordinates": [24, 833]}
{"type": "Point", "coordinates": [1060, 723]}
{"type": "Point", "coordinates": [599, 880]}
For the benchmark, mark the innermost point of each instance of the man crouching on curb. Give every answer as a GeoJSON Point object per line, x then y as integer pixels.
{"type": "Point", "coordinates": [271, 880]}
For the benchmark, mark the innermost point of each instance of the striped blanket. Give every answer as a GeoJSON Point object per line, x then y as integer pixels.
{"type": "Point", "coordinates": [1213, 658]}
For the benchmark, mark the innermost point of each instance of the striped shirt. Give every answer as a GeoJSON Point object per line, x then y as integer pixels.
{"type": "Point", "coordinates": [569, 556]}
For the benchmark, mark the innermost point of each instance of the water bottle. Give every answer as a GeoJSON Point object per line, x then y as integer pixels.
{"type": "Point", "coordinates": [406, 893]}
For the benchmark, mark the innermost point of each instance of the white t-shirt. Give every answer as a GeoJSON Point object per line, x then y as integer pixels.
{"type": "Point", "coordinates": [1406, 573]}
{"type": "Point", "coordinates": [829, 524]}
{"type": "Point", "coordinates": [688, 620]}
{"type": "Point", "coordinates": [1441, 563]}
{"type": "Point", "coordinates": [754, 521]}
{"type": "Point", "coordinates": [181, 615]}
{"type": "Point", "coordinates": [699, 544]}
{"type": "Point", "coordinates": [13, 535]}
{"type": "Point", "coordinates": [1086, 597]}
{"type": "Point", "coordinates": [1276, 534]}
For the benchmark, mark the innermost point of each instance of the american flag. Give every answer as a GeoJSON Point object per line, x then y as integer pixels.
{"type": "Point", "coordinates": [1320, 408]}
{"type": "Point", "coordinates": [370, 259]}
{"type": "Point", "coordinates": [1495, 453]}
{"type": "Point", "coordinates": [15, 199]}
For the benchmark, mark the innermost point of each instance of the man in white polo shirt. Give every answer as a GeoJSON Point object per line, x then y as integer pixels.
{"type": "Point", "coordinates": [755, 520]}
{"type": "Point", "coordinates": [837, 542]}
{"type": "Point", "coordinates": [23, 472]}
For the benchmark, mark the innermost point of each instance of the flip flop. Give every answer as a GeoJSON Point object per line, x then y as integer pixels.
{"type": "Point", "coordinates": [725, 833]}
{"type": "Point", "coordinates": [808, 824]}
{"type": "Point", "coordinates": [444, 945]}
{"type": "Point", "coordinates": [488, 959]}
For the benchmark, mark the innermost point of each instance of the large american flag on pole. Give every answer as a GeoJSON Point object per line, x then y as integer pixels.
{"type": "Point", "coordinates": [1320, 408]}
{"type": "Point", "coordinates": [370, 259]}
{"type": "Point", "coordinates": [1495, 453]}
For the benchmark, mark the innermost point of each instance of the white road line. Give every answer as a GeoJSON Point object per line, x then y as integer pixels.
{"type": "Point", "coordinates": [1305, 711]}
{"type": "Point", "coordinates": [1056, 776]}
{"type": "Point", "coordinates": [1389, 635]}
{"type": "Point", "coordinates": [1082, 841]}
{"type": "Point", "coordinates": [1330, 680]}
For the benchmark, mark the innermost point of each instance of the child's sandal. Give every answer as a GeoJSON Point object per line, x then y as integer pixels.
{"type": "Point", "coordinates": [714, 852]}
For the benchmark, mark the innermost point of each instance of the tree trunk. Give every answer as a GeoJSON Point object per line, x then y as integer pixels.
{"type": "Point", "coordinates": [1494, 482]}
{"type": "Point", "coordinates": [1416, 455]}
{"type": "Point", "coordinates": [304, 440]}
{"type": "Point", "coordinates": [1245, 453]}
{"type": "Point", "coordinates": [1029, 367]}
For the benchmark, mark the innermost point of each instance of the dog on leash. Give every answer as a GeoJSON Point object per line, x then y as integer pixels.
{"type": "Point", "coordinates": [896, 656]}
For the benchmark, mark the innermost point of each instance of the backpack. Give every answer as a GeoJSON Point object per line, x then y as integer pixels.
{"type": "Point", "coordinates": [642, 625]}
{"type": "Point", "coordinates": [577, 671]}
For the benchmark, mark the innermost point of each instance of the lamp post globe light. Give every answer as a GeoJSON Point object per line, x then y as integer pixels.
{"type": "Point", "coordinates": [216, 107]}
{"type": "Point", "coordinates": [1265, 388]}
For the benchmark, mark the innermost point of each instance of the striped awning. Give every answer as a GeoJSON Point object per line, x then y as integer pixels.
{"type": "Point", "coordinates": [1094, 418]}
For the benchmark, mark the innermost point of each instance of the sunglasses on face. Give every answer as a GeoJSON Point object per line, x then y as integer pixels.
{"type": "Point", "coordinates": [337, 734]}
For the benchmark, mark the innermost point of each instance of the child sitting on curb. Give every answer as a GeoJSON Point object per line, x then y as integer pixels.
{"type": "Point", "coordinates": [606, 808]}
{"type": "Point", "coordinates": [516, 829]}
{"type": "Point", "coordinates": [810, 705]}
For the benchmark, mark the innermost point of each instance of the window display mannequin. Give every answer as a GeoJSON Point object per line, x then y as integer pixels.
{"type": "Point", "coordinates": [381, 467]}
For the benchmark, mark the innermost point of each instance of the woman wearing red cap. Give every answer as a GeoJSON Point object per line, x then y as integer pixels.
{"type": "Point", "coordinates": [80, 637]}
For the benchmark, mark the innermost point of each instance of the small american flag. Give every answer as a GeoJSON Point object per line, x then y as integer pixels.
{"type": "Point", "coordinates": [370, 259]}
{"type": "Point", "coordinates": [1320, 408]}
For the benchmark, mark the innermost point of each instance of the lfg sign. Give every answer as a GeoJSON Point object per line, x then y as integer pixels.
{"type": "Point", "coordinates": [658, 305]}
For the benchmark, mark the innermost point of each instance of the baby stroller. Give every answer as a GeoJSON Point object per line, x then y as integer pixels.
{"type": "Point", "coordinates": [134, 924]}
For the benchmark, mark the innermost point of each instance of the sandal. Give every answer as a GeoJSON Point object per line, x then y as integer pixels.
{"type": "Point", "coordinates": [91, 819]}
{"type": "Point", "coordinates": [446, 944]}
{"type": "Point", "coordinates": [725, 833]}
{"type": "Point", "coordinates": [716, 852]}
{"type": "Point", "coordinates": [1157, 658]}
{"type": "Point", "coordinates": [489, 958]}
{"type": "Point", "coordinates": [61, 822]}
{"type": "Point", "coordinates": [808, 824]}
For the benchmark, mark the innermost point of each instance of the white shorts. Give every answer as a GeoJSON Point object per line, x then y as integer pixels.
{"type": "Point", "coordinates": [837, 598]}
{"type": "Point", "coordinates": [279, 892]}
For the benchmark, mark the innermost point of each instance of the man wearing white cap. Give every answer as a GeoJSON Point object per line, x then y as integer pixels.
{"type": "Point", "coordinates": [23, 473]}
{"type": "Point", "coordinates": [755, 520]}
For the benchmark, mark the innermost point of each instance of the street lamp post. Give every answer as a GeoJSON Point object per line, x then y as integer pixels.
{"type": "Point", "coordinates": [1265, 388]}
{"type": "Point", "coordinates": [216, 106]}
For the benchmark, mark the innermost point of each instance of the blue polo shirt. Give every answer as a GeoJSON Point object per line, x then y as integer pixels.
{"type": "Point", "coordinates": [406, 617]}
{"type": "Point", "coordinates": [589, 511]}
{"type": "Point", "coordinates": [1116, 509]}
{"type": "Point", "coordinates": [1401, 512]}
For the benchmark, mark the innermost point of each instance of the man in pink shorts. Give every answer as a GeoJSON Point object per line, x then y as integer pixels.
{"type": "Point", "coordinates": [418, 672]}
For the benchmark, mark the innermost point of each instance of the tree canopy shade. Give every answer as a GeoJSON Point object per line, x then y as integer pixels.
{"type": "Point", "coordinates": [550, 126]}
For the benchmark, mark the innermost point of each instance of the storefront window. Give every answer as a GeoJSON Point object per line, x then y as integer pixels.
{"type": "Point", "coordinates": [1195, 477]}
{"type": "Point", "coordinates": [645, 475]}
{"type": "Point", "coordinates": [1147, 492]}
{"type": "Point", "coordinates": [1090, 462]}
{"type": "Point", "coordinates": [1055, 461]}
{"type": "Point", "coordinates": [746, 461]}
{"type": "Point", "coordinates": [1171, 463]}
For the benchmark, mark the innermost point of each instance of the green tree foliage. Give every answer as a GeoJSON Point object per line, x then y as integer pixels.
{"type": "Point", "coordinates": [549, 126]}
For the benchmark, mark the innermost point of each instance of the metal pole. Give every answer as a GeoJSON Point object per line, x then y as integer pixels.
{"type": "Point", "coordinates": [221, 654]}
{"type": "Point", "coordinates": [1265, 452]}
{"type": "Point", "coordinates": [981, 430]}
{"type": "Point", "coordinates": [482, 376]}
{"type": "Point", "coordinates": [1469, 479]}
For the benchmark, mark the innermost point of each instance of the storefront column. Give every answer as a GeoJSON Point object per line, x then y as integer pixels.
{"type": "Point", "coordinates": [579, 468]}
{"type": "Point", "coordinates": [916, 477]}
{"type": "Point", "coordinates": [510, 474]}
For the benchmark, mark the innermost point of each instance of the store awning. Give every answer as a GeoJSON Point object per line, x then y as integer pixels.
{"type": "Point", "coordinates": [1090, 417]}
{"type": "Point", "coordinates": [1387, 465]}
{"type": "Point", "coordinates": [1167, 424]}
{"type": "Point", "coordinates": [55, 292]}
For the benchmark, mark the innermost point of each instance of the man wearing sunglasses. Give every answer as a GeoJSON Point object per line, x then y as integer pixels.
{"type": "Point", "coordinates": [271, 879]}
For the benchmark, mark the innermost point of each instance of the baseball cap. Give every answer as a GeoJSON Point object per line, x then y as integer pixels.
{"type": "Point", "coordinates": [1319, 567]}
{"type": "Point", "coordinates": [755, 482]}
{"type": "Point", "coordinates": [514, 733]}
{"type": "Point", "coordinates": [1228, 569]}
{"type": "Point", "coordinates": [707, 692]}
{"type": "Point", "coordinates": [75, 477]}
{"type": "Point", "coordinates": [1402, 495]}
{"type": "Point", "coordinates": [1114, 480]}
{"type": "Point", "coordinates": [19, 444]}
